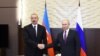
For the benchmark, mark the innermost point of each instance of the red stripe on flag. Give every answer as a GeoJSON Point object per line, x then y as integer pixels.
{"type": "Point", "coordinates": [51, 52]}
{"type": "Point", "coordinates": [49, 38]}
{"type": "Point", "coordinates": [82, 53]}
{"type": "Point", "coordinates": [49, 41]}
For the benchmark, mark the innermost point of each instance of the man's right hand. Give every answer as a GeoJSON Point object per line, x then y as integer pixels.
{"type": "Point", "coordinates": [41, 46]}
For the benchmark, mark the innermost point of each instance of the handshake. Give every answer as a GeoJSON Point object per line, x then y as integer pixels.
{"type": "Point", "coordinates": [41, 46]}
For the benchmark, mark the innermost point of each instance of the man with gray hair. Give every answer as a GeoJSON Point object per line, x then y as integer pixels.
{"type": "Point", "coordinates": [68, 40]}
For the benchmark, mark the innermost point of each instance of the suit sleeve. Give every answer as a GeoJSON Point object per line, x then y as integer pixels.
{"type": "Point", "coordinates": [77, 44]}
{"type": "Point", "coordinates": [57, 44]}
{"type": "Point", "coordinates": [44, 36]}
{"type": "Point", "coordinates": [27, 39]}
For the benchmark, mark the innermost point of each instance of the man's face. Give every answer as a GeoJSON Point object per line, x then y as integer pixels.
{"type": "Point", "coordinates": [65, 25]}
{"type": "Point", "coordinates": [34, 19]}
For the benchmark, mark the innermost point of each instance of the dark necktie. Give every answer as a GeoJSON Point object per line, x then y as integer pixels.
{"type": "Point", "coordinates": [35, 29]}
{"type": "Point", "coordinates": [65, 37]}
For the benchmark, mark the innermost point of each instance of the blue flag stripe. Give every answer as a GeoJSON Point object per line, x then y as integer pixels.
{"type": "Point", "coordinates": [81, 35]}
{"type": "Point", "coordinates": [45, 20]}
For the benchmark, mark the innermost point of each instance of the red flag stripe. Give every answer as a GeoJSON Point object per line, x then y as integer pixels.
{"type": "Point", "coordinates": [82, 53]}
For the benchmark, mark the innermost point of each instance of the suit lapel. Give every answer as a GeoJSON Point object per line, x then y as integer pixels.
{"type": "Point", "coordinates": [68, 36]}
{"type": "Point", "coordinates": [32, 30]}
{"type": "Point", "coordinates": [38, 30]}
{"type": "Point", "coordinates": [61, 38]}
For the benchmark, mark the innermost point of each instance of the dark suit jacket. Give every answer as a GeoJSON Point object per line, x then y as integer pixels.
{"type": "Point", "coordinates": [72, 45]}
{"type": "Point", "coordinates": [31, 40]}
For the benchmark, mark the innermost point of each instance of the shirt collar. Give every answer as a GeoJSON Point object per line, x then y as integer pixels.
{"type": "Point", "coordinates": [34, 25]}
{"type": "Point", "coordinates": [67, 30]}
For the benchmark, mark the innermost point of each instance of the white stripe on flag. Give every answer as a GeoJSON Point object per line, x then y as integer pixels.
{"type": "Point", "coordinates": [79, 18]}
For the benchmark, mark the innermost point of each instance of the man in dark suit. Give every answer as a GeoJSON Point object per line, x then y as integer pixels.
{"type": "Point", "coordinates": [68, 40]}
{"type": "Point", "coordinates": [34, 37]}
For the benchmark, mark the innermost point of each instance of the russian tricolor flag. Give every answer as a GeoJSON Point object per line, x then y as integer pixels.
{"type": "Point", "coordinates": [80, 31]}
{"type": "Point", "coordinates": [49, 39]}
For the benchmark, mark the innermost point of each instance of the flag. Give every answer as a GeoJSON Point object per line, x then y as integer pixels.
{"type": "Point", "coordinates": [49, 39]}
{"type": "Point", "coordinates": [79, 29]}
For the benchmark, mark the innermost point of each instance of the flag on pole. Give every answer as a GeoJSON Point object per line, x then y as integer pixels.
{"type": "Point", "coordinates": [46, 24]}
{"type": "Point", "coordinates": [80, 31]}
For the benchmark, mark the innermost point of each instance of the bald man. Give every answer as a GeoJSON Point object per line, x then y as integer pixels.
{"type": "Point", "coordinates": [68, 40]}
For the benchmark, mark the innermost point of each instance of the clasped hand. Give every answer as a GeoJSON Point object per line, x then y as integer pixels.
{"type": "Point", "coordinates": [41, 46]}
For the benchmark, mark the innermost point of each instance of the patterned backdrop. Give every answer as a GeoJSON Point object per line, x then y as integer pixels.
{"type": "Point", "coordinates": [62, 9]}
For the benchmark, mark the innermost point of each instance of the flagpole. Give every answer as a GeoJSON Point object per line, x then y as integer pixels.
{"type": "Point", "coordinates": [79, 5]}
